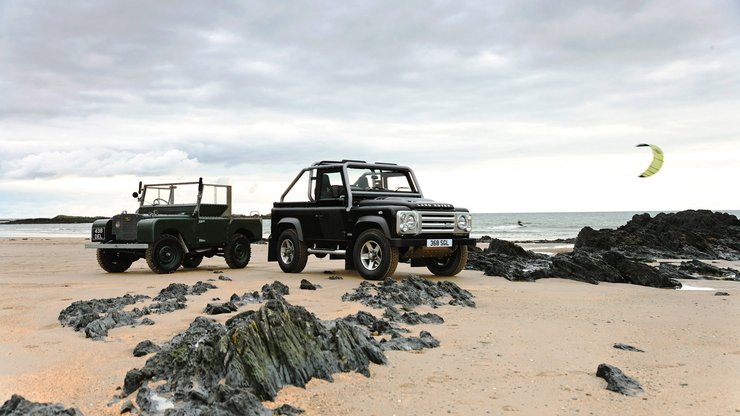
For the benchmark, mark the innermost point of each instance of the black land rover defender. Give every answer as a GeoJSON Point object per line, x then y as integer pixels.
{"type": "Point", "coordinates": [372, 215]}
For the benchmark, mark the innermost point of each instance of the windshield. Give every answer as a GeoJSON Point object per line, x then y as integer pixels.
{"type": "Point", "coordinates": [380, 180]}
{"type": "Point", "coordinates": [183, 194]}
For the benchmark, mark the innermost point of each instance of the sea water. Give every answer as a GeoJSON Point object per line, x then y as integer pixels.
{"type": "Point", "coordinates": [506, 226]}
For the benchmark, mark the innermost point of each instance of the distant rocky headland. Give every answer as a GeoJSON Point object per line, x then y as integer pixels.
{"type": "Point", "coordinates": [73, 219]}
{"type": "Point", "coordinates": [59, 219]}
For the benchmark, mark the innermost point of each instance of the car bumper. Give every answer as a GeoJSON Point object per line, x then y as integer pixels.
{"type": "Point", "coordinates": [422, 242]}
{"type": "Point", "coordinates": [120, 246]}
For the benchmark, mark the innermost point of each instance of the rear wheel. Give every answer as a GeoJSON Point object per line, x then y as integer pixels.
{"type": "Point", "coordinates": [165, 255]}
{"type": "Point", "coordinates": [374, 257]}
{"type": "Point", "coordinates": [238, 252]}
{"type": "Point", "coordinates": [292, 252]}
{"type": "Point", "coordinates": [449, 266]}
{"type": "Point", "coordinates": [113, 261]}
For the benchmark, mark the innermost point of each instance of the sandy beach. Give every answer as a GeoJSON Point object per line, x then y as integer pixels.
{"type": "Point", "coordinates": [527, 348]}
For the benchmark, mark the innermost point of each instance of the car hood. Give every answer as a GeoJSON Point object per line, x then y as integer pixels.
{"type": "Point", "coordinates": [411, 203]}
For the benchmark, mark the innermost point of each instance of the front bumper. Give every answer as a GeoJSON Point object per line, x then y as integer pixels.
{"type": "Point", "coordinates": [120, 246]}
{"type": "Point", "coordinates": [422, 242]}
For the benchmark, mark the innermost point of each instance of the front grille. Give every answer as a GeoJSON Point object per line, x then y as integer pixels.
{"type": "Point", "coordinates": [124, 227]}
{"type": "Point", "coordinates": [437, 222]}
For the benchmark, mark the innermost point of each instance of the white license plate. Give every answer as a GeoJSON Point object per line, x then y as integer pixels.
{"type": "Point", "coordinates": [439, 242]}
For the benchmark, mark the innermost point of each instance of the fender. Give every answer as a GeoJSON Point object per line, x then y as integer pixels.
{"type": "Point", "coordinates": [295, 223]}
{"type": "Point", "coordinates": [272, 249]}
{"type": "Point", "coordinates": [376, 220]}
{"type": "Point", "coordinates": [150, 229]}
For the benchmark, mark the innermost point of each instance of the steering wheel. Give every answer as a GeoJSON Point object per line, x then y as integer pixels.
{"type": "Point", "coordinates": [159, 201]}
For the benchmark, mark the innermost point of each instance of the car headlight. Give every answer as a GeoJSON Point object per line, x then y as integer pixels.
{"type": "Point", "coordinates": [408, 222]}
{"type": "Point", "coordinates": [465, 222]}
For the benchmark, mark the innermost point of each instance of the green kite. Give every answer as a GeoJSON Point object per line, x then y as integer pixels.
{"type": "Point", "coordinates": [657, 160]}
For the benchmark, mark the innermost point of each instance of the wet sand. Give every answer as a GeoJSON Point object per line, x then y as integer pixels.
{"type": "Point", "coordinates": [528, 348]}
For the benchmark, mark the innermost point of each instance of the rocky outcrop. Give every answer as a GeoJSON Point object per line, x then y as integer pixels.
{"type": "Point", "coordinates": [409, 293]}
{"type": "Point", "coordinates": [617, 381]}
{"type": "Point", "coordinates": [506, 259]}
{"type": "Point", "coordinates": [617, 256]}
{"type": "Point", "coordinates": [97, 316]}
{"type": "Point", "coordinates": [228, 370]}
{"type": "Point", "coordinates": [19, 406]}
{"type": "Point", "coordinates": [145, 347]}
{"type": "Point", "coordinates": [695, 234]}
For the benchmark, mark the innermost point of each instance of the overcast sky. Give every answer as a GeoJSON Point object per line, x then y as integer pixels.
{"type": "Point", "coordinates": [505, 106]}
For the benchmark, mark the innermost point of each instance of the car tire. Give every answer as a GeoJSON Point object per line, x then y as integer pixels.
{"type": "Point", "coordinates": [165, 255]}
{"type": "Point", "coordinates": [373, 255]}
{"type": "Point", "coordinates": [112, 261]}
{"type": "Point", "coordinates": [238, 252]}
{"type": "Point", "coordinates": [192, 261]}
{"type": "Point", "coordinates": [449, 266]}
{"type": "Point", "coordinates": [292, 252]}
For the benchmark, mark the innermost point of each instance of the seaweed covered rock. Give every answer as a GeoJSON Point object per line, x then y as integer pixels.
{"type": "Point", "coordinates": [514, 263]}
{"type": "Point", "coordinates": [504, 258]}
{"type": "Point", "coordinates": [409, 293]}
{"type": "Point", "coordinates": [98, 316]}
{"type": "Point", "coordinates": [19, 406]}
{"type": "Point", "coordinates": [697, 234]}
{"type": "Point", "coordinates": [251, 358]}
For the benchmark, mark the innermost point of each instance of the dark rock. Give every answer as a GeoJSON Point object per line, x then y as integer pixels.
{"type": "Point", "coordinates": [82, 312]}
{"type": "Point", "coordinates": [133, 380]}
{"type": "Point", "coordinates": [306, 285]}
{"type": "Point", "coordinates": [626, 347]}
{"type": "Point", "coordinates": [288, 410]}
{"type": "Point", "coordinates": [425, 340]}
{"type": "Point", "coordinates": [145, 347]}
{"type": "Point", "coordinates": [251, 358]}
{"type": "Point", "coordinates": [275, 290]}
{"type": "Point", "coordinates": [698, 234]}
{"type": "Point", "coordinates": [19, 406]}
{"type": "Point", "coordinates": [412, 318]}
{"type": "Point", "coordinates": [146, 321]}
{"type": "Point", "coordinates": [721, 294]}
{"type": "Point", "coordinates": [704, 270]}
{"type": "Point", "coordinates": [200, 288]}
{"type": "Point", "coordinates": [638, 273]}
{"type": "Point", "coordinates": [503, 258]}
{"type": "Point", "coordinates": [128, 407]}
{"type": "Point", "coordinates": [220, 308]}
{"type": "Point", "coordinates": [409, 293]}
{"type": "Point", "coordinates": [617, 381]}
{"type": "Point", "coordinates": [334, 277]}
{"type": "Point", "coordinates": [225, 278]}
{"type": "Point", "coordinates": [175, 291]}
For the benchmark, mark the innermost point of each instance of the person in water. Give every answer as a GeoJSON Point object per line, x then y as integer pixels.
{"type": "Point", "coordinates": [521, 224]}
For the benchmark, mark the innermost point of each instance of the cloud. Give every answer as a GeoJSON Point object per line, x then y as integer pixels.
{"type": "Point", "coordinates": [96, 163]}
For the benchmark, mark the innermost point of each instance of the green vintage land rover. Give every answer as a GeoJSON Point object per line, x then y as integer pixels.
{"type": "Point", "coordinates": [176, 224]}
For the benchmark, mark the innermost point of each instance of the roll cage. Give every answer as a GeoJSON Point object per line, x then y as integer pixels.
{"type": "Point", "coordinates": [375, 181]}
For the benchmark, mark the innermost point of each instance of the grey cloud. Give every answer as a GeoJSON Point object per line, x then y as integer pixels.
{"type": "Point", "coordinates": [356, 59]}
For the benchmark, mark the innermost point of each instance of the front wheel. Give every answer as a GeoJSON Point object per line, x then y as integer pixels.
{"type": "Point", "coordinates": [449, 266]}
{"type": "Point", "coordinates": [292, 252]}
{"type": "Point", "coordinates": [238, 252]}
{"type": "Point", "coordinates": [374, 257]}
{"type": "Point", "coordinates": [165, 255]}
{"type": "Point", "coordinates": [112, 261]}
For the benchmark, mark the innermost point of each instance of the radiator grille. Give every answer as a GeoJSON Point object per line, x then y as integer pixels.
{"type": "Point", "coordinates": [437, 222]}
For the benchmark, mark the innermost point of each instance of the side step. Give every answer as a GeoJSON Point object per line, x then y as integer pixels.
{"type": "Point", "coordinates": [327, 251]}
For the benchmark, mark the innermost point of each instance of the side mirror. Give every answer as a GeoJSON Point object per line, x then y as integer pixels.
{"type": "Point", "coordinates": [135, 194]}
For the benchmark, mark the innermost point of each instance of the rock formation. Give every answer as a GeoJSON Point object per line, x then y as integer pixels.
{"type": "Point", "coordinates": [617, 381]}
{"type": "Point", "coordinates": [228, 370]}
{"type": "Point", "coordinates": [19, 406]}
